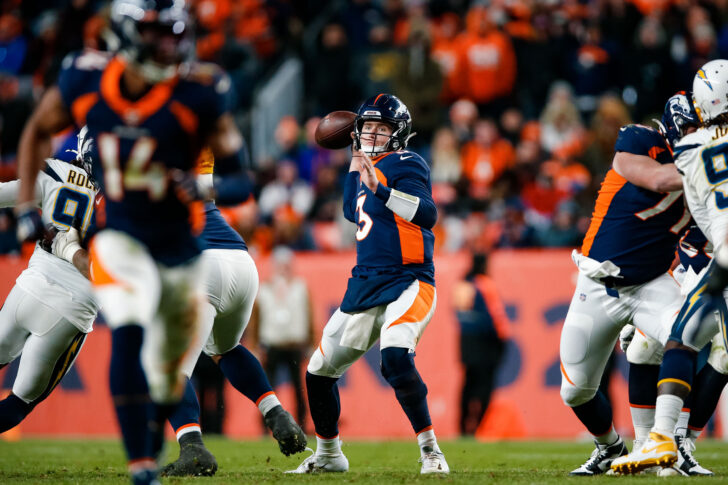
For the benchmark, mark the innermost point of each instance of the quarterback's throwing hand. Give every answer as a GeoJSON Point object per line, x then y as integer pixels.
{"type": "Point", "coordinates": [366, 171]}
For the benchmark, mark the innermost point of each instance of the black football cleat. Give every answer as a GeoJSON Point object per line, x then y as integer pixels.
{"type": "Point", "coordinates": [194, 461]}
{"type": "Point", "coordinates": [291, 438]}
{"type": "Point", "coordinates": [600, 459]}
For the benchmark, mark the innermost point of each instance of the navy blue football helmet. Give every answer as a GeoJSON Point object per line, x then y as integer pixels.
{"type": "Point", "coordinates": [152, 34]}
{"type": "Point", "coordinates": [679, 114]}
{"type": "Point", "coordinates": [389, 109]}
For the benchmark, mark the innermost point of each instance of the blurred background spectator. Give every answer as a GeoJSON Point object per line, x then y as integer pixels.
{"type": "Point", "coordinates": [484, 331]}
{"type": "Point", "coordinates": [516, 103]}
{"type": "Point", "coordinates": [282, 325]}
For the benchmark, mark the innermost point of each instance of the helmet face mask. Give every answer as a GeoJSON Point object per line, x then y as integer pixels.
{"type": "Point", "coordinates": [152, 35]}
{"type": "Point", "coordinates": [710, 90]}
{"type": "Point", "coordinates": [383, 108]}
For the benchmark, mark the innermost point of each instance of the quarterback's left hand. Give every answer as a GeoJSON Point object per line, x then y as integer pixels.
{"type": "Point", "coordinates": [185, 186]}
{"type": "Point", "coordinates": [366, 171]}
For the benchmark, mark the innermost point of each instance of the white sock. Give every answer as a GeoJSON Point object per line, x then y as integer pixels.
{"type": "Point", "coordinates": [694, 434]}
{"type": "Point", "coordinates": [188, 428]}
{"type": "Point", "coordinates": [608, 438]}
{"type": "Point", "coordinates": [427, 438]}
{"type": "Point", "coordinates": [681, 428]}
{"type": "Point", "coordinates": [328, 446]}
{"type": "Point", "coordinates": [666, 413]}
{"type": "Point", "coordinates": [267, 401]}
{"type": "Point", "coordinates": [643, 419]}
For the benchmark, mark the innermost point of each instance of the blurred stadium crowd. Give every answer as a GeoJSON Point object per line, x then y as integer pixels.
{"type": "Point", "coordinates": [517, 103]}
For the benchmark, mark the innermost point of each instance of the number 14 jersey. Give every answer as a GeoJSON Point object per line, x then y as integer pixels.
{"type": "Point", "coordinates": [138, 142]}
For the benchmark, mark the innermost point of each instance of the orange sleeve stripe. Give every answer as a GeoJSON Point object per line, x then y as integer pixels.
{"type": "Point", "coordinates": [613, 182]}
{"type": "Point", "coordinates": [197, 216]}
{"type": "Point", "coordinates": [82, 105]}
{"type": "Point", "coordinates": [186, 117]}
{"type": "Point", "coordinates": [654, 151]}
{"type": "Point", "coordinates": [99, 275]}
{"type": "Point", "coordinates": [420, 307]}
{"type": "Point", "coordinates": [269, 393]}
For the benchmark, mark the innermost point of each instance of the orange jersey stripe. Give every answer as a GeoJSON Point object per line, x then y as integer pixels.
{"type": "Point", "coordinates": [420, 307]}
{"type": "Point", "coordinates": [185, 116]}
{"type": "Point", "coordinates": [613, 182]}
{"type": "Point", "coordinates": [138, 111]}
{"type": "Point", "coordinates": [82, 105]}
{"type": "Point", "coordinates": [411, 241]}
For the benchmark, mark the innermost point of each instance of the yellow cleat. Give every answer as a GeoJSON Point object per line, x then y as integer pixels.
{"type": "Point", "coordinates": [658, 450]}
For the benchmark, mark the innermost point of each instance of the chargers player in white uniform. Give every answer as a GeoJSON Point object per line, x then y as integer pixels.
{"type": "Point", "coordinates": [51, 308]}
{"type": "Point", "coordinates": [701, 158]}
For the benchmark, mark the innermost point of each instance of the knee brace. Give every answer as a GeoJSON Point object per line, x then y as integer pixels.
{"type": "Point", "coordinates": [644, 350]}
{"type": "Point", "coordinates": [398, 368]}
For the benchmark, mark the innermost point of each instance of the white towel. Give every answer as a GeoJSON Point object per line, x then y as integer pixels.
{"type": "Point", "coordinates": [592, 268]}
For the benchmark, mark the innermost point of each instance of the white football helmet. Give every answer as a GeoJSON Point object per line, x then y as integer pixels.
{"type": "Point", "coordinates": [710, 90]}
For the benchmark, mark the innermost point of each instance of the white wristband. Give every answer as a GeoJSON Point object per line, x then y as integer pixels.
{"type": "Point", "coordinates": [404, 205]}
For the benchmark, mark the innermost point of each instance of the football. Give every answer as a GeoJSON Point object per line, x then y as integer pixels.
{"type": "Point", "coordinates": [334, 130]}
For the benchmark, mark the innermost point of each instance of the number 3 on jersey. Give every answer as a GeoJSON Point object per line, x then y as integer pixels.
{"type": "Point", "coordinates": [365, 222]}
{"type": "Point", "coordinates": [139, 172]}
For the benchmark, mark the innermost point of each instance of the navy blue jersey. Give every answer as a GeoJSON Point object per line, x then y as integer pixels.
{"type": "Point", "coordinates": [217, 233]}
{"type": "Point", "coordinates": [138, 142]}
{"type": "Point", "coordinates": [692, 249]}
{"type": "Point", "coordinates": [391, 252]}
{"type": "Point", "coordinates": [635, 228]}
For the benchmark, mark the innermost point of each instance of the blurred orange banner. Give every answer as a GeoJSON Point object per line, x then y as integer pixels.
{"type": "Point", "coordinates": [536, 286]}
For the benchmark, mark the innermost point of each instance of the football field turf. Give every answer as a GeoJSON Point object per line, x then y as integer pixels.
{"type": "Point", "coordinates": [382, 463]}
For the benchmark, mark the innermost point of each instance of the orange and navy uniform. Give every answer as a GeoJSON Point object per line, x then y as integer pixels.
{"type": "Point", "coordinates": [391, 251]}
{"type": "Point", "coordinates": [692, 250]}
{"type": "Point", "coordinates": [635, 228]}
{"type": "Point", "coordinates": [138, 142]}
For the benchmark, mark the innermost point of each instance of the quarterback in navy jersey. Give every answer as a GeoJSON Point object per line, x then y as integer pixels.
{"type": "Point", "coordinates": [391, 293]}
{"type": "Point", "coordinates": [150, 112]}
{"type": "Point", "coordinates": [623, 278]}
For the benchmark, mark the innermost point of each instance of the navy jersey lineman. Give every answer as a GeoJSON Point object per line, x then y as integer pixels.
{"type": "Point", "coordinates": [150, 112]}
{"type": "Point", "coordinates": [391, 294]}
{"type": "Point", "coordinates": [623, 278]}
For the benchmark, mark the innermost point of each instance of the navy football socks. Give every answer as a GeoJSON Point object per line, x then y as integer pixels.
{"type": "Point", "coordinates": [595, 414]}
{"type": "Point", "coordinates": [324, 403]}
{"type": "Point", "coordinates": [678, 366]}
{"type": "Point", "coordinates": [398, 367]}
{"type": "Point", "coordinates": [129, 390]}
{"type": "Point", "coordinates": [245, 373]}
{"type": "Point", "coordinates": [643, 384]}
{"type": "Point", "coordinates": [188, 410]}
{"type": "Point", "coordinates": [13, 410]}
{"type": "Point", "coordinates": [709, 384]}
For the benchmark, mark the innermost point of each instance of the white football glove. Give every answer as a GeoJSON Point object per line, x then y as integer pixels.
{"type": "Point", "coordinates": [65, 244]}
{"type": "Point", "coordinates": [626, 336]}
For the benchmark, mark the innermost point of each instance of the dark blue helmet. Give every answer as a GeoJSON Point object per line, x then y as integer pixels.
{"type": "Point", "coordinates": [84, 144]}
{"type": "Point", "coordinates": [679, 114]}
{"type": "Point", "coordinates": [152, 34]}
{"type": "Point", "coordinates": [389, 109]}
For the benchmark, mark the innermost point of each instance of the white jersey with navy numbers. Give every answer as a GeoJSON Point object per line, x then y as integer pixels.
{"type": "Point", "coordinates": [64, 193]}
{"type": "Point", "coordinates": [702, 158]}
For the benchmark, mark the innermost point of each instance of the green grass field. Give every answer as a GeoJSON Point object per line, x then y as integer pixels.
{"type": "Point", "coordinates": [381, 463]}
